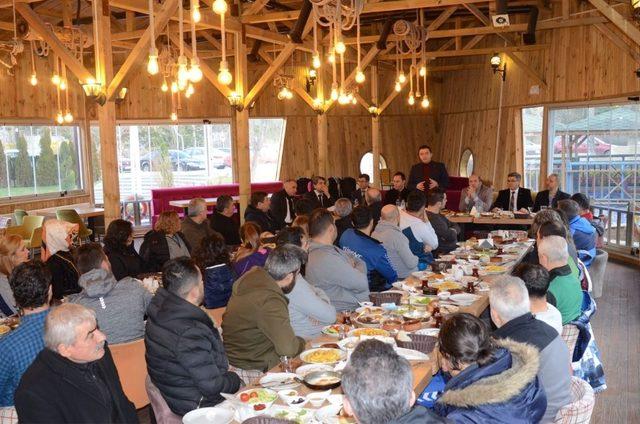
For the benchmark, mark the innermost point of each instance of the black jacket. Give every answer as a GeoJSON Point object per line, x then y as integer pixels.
{"type": "Point", "coordinates": [313, 199]}
{"type": "Point", "coordinates": [446, 231]}
{"type": "Point", "coordinates": [376, 211]}
{"type": "Point", "coordinates": [56, 390]}
{"type": "Point", "coordinates": [358, 196]}
{"type": "Point", "coordinates": [64, 274]}
{"type": "Point", "coordinates": [185, 356]}
{"type": "Point", "coordinates": [392, 196]}
{"type": "Point", "coordinates": [227, 226]}
{"type": "Point", "coordinates": [155, 250]}
{"type": "Point", "coordinates": [542, 199]}
{"type": "Point", "coordinates": [523, 200]}
{"type": "Point", "coordinates": [263, 219]}
{"type": "Point", "coordinates": [342, 225]}
{"type": "Point", "coordinates": [278, 208]}
{"type": "Point", "coordinates": [436, 171]}
{"type": "Point", "coordinates": [125, 262]}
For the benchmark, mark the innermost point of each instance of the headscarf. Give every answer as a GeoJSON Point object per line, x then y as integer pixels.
{"type": "Point", "coordinates": [56, 233]}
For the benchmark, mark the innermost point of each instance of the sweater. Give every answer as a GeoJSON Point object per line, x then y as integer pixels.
{"type": "Point", "coordinates": [397, 246]}
{"type": "Point", "coordinates": [342, 276]}
{"type": "Point", "coordinates": [256, 324]}
{"type": "Point", "coordinates": [194, 232]}
{"type": "Point", "coordinates": [120, 306]}
{"type": "Point", "coordinates": [565, 287]}
{"type": "Point", "coordinates": [309, 309]}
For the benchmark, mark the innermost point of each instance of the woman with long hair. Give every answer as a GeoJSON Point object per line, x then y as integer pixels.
{"type": "Point", "coordinates": [491, 380]}
{"type": "Point", "coordinates": [164, 242]}
{"type": "Point", "coordinates": [12, 253]}
{"type": "Point", "coordinates": [118, 246]}
{"type": "Point", "coordinates": [214, 261]}
{"type": "Point", "coordinates": [251, 252]}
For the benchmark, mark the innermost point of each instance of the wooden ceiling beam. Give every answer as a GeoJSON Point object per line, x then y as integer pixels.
{"type": "Point", "coordinates": [297, 88]}
{"type": "Point", "coordinates": [9, 3]}
{"type": "Point", "coordinates": [255, 7]}
{"type": "Point", "coordinates": [268, 74]}
{"type": "Point", "coordinates": [471, 52]}
{"type": "Point", "coordinates": [54, 42]}
{"type": "Point", "coordinates": [527, 69]}
{"type": "Point", "coordinates": [627, 27]}
{"type": "Point", "coordinates": [442, 18]}
{"type": "Point", "coordinates": [6, 26]}
{"type": "Point", "coordinates": [618, 42]}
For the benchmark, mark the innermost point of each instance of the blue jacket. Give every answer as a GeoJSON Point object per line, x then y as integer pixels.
{"type": "Point", "coordinates": [584, 237]}
{"type": "Point", "coordinates": [417, 248]}
{"type": "Point", "coordinates": [218, 281]}
{"type": "Point", "coordinates": [504, 391]}
{"type": "Point", "coordinates": [380, 272]}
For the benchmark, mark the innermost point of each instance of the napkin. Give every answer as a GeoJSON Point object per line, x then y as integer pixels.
{"type": "Point", "coordinates": [485, 243]}
{"type": "Point", "coordinates": [474, 212]}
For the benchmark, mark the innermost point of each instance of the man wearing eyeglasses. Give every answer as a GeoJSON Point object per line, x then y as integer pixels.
{"type": "Point", "coordinates": [514, 198]}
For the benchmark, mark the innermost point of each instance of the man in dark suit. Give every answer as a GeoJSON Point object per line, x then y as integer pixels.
{"type": "Point", "coordinates": [223, 221]}
{"type": "Point", "coordinates": [514, 198]}
{"type": "Point", "coordinates": [550, 197]}
{"type": "Point", "coordinates": [399, 192]}
{"type": "Point", "coordinates": [359, 196]}
{"type": "Point", "coordinates": [258, 212]}
{"type": "Point", "coordinates": [428, 174]}
{"type": "Point", "coordinates": [319, 197]}
{"type": "Point", "coordinates": [282, 204]}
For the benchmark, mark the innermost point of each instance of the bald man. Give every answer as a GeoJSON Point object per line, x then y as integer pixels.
{"type": "Point", "coordinates": [373, 198]}
{"type": "Point", "coordinates": [477, 194]}
{"type": "Point", "coordinates": [395, 242]}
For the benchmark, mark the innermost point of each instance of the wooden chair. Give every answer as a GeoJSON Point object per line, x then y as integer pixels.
{"type": "Point", "coordinates": [162, 412]}
{"type": "Point", "coordinates": [132, 369]}
{"type": "Point", "coordinates": [580, 409]}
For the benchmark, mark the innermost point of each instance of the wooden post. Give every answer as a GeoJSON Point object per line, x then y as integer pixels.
{"type": "Point", "coordinates": [375, 128]}
{"type": "Point", "coordinates": [106, 113]}
{"type": "Point", "coordinates": [322, 130]}
{"type": "Point", "coordinates": [241, 126]}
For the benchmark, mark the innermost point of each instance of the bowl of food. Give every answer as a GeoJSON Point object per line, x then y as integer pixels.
{"type": "Point", "coordinates": [368, 319]}
{"type": "Point", "coordinates": [417, 314]}
{"type": "Point", "coordinates": [358, 332]}
{"type": "Point", "coordinates": [412, 325]}
{"type": "Point", "coordinates": [334, 330]}
{"type": "Point", "coordinates": [444, 295]}
{"type": "Point", "coordinates": [392, 324]}
{"type": "Point", "coordinates": [322, 356]}
{"type": "Point", "coordinates": [321, 380]}
{"type": "Point", "coordinates": [420, 301]}
{"type": "Point", "coordinates": [257, 399]}
{"type": "Point", "coordinates": [292, 398]}
{"type": "Point", "coordinates": [303, 370]}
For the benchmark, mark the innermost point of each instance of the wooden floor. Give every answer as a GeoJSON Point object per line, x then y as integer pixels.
{"type": "Point", "coordinates": [617, 329]}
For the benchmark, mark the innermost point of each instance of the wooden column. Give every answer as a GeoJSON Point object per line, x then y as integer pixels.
{"type": "Point", "coordinates": [322, 129]}
{"type": "Point", "coordinates": [375, 128]}
{"type": "Point", "coordinates": [106, 113]}
{"type": "Point", "coordinates": [241, 125]}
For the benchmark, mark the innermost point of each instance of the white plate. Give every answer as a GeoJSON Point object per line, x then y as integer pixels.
{"type": "Point", "coordinates": [287, 380]}
{"type": "Point", "coordinates": [298, 415]}
{"type": "Point", "coordinates": [428, 332]}
{"type": "Point", "coordinates": [464, 299]}
{"type": "Point", "coordinates": [421, 274]}
{"type": "Point", "coordinates": [304, 355]}
{"type": "Point", "coordinates": [303, 370]}
{"type": "Point", "coordinates": [328, 414]}
{"type": "Point", "coordinates": [411, 355]}
{"type": "Point", "coordinates": [217, 414]}
{"type": "Point", "coordinates": [372, 309]}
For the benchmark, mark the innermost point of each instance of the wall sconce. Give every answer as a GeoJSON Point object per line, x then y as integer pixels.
{"type": "Point", "coordinates": [312, 76]}
{"type": "Point", "coordinates": [374, 111]}
{"type": "Point", "coordinates": [496, 61]}
{"type": "Point", "coordinates": [235, 100]}
{"type": "Point", "coordinates": [122, 93]}
{"type": "Point", "coordinates": [318, 105]}
{"type": "Point", "coordinates": [93, 90]}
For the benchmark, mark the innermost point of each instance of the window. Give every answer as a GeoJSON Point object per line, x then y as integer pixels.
{"type": "Point", "coordinates": [466, 163]}
{"type": "Point", "coordinates": [532, 142]}
{"type": "Point", "coordinates": [37, 160]}
{"type": "Point", "coordinates": [366, 164]}
{"type": "Point", "coordinates": [266, 137]}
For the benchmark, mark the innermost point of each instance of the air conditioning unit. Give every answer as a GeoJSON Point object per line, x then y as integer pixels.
{"type": "Point", "coordinates": [501, 20]}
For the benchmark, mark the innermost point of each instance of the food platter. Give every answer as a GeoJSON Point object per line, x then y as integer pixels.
{"type": "Point", "coordinates": [358, 332]}
{"type": "Point", "coordinates": [279, 381]}
{"type": "Point", "coordinates": [322, 356]}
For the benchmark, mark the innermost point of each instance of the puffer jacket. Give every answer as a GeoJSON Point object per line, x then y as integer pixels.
{"type": "Point", "coordinates": [506, 390]}
{"type": "Point", "coordinates": [185, 356]}
{"type": "Point", "coordinates": [584, 237]}
{"type": "Point", "coordinates": [218, 281]}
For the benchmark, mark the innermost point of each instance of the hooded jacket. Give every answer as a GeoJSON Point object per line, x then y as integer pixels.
{"type": "Point", "coordinates": [120, 306]}
{"type": "Point", "coordinates": [397, 246]}
{"type": "Point", "coordinates": [218, 281]}
{"type": "Point", "coordinates": [263, 219]}
{"type": "Point", "coordinates": [256, 325]}
{"type": "Point", "coordinates": [506, 390]}
{"type": "Point", "coordinates": [185, 356]}
{"type": "Point", "coordinates": [584, 237]}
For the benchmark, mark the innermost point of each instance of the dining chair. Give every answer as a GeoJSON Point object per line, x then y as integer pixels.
{"type": "Point", "coordinates": [581, 407]}
{"type": "Point", "coordinates": [18, 230]}
{"type": "Point", "coordinates": [163, 414]}
{"type": "Point", "coordinates": [18, 214]}
{"type": "Point", "coordinates": [30, 224]}
{"type": "Point", "coordinates": [132, 369]}
{"type": "Point", "coordinates": [70, 215]}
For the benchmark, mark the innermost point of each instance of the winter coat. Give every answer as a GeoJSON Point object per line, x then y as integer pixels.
{"type": "Point", "coordinates": [506, 390]}
{"type": "Point", "coordinates": [218, 281]}
{"type": "Point", "coordinates": [584, 237]}
{"type": "Point", "coordinates": [309, 309]}
{"type": "Point", "coordinates": [227, 226]}
{"type": "Point", "coordinates": [193, 232]}
{"type": "Point", "coordinates": [263, 219]}
{"type": "Point", "coordinates": [256, 325]}
{"type": "Point", "coordinates": [397, 246]}
{"type": "Point", "coordinates": [446, 231]}
{"type": "Point", "coordinates": [185, 356]}
{"type": "Point", "coordinates": [120, 306]}
{"type": "Point", "coordinates": [155, 249]}
{"type": "Point", "coordinates": [64, 274]}
{"type": "Point", "coordinates": [56, 390]}
{"type": "Point", "coordinates": [419, 415]}
{"type": "Point", "coordinates": [125, 262]}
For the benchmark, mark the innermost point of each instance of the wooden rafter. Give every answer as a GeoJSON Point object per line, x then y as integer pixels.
{"type": "Point", "coordinates": [255, 7]}
{"type": "Point", "coordinates": [295, 86]}
{"type": "Point", "coordinates": [268, 74]}
{"type": "Point", "coordinates": [395, 93]}
{"type": "Point", "coordinates": [442, 18]}
{"type": "Point", "coordinates": [486, 21]}
{"type": "Point", "coordinates": [56, 45]}
{"type": "Point", "coordinates": [627, 27]}
{"type": "Point", "coordinates": [527, 69]}
{"type": "Point", "coordinates": [618, 42]}
{"type": "Point", "coordinates": [471, 52]}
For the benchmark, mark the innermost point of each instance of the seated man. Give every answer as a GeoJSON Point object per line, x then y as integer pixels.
{"type": "Point", "coordinates": [373, 199]}
{"type": "Point", "coordinates": [256, 325]}
{"type": "Point", "coordinates": [31, 286]}
{"type": "Point", "coordinates": [514, 198]}
{"type": "Point", "coordinates": [258, 212]}
{"type": "Point", "coordinates": [564, 284]}
{"type": "Point", "coordinates": [510, 312]}
{"type": "Point", "coordinates": [120, 306]}
{"type": "Point", "coordinates": [74, 379]}
{"type": "Point", "coordinates": [583, 233]}
{"type": "Point", "coordinates": [550, 197]}
{"type": "Point", "coordinates": [222, 220]}
{"type": "Point", "coordinates": [476, 195]}
{"type": "Point", "coordinates": [394, 242]}
{"type": "Point", "coordinates": [196, 226]}
{"type": "Point", "coordinates": [282, 207]}
{"type": "Point", "coordinates": [536, 280]}
{"type": "Point", "coordinates": [378, 387]}
{"type": "Point", "coordinates": [358, 196]}
{"type": "Point", "coordinates": [185, 357]}
{"type": "Point", "coordinates": [342, 276]}
{"type": "Point", "coordinates": [415, 225]}
{"type": "Point", "coordinates": [343, 208]}
{"type": "Point", "coordinates": [319, 197]}
{"type": "Point", "coordinates": [398, 194]}
{"type": "Point", "coordinates": [357, 240]}
{"type": "Point", "coordinates": [446, 231]}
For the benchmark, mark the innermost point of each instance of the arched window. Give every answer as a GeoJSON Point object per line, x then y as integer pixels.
{"type": "Point", "coordinates": [366, 164]}
{"type": "Point", "coordinates": [466, 163]}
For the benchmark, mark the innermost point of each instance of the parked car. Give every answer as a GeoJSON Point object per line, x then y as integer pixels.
{"type": "Point", "coordinates": [124, 164]}
{"type": "Point", "coordinates": [219, 158]}
{"type": "Point", "coordinates": [151, 160]}
{"type": "Point", "coordinates": [197, 158]}
{"type": "Point", "coordinates": [599, 147]}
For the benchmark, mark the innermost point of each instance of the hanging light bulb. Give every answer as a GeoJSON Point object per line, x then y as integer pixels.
{"type": "Point", "coordinates": [360, 76]}
{"type": "Point", "coordinates": [425, 102]}
{"type": "Point", "coordinates": [183, 70]}
{"type": "Point", "coordinates": [195, 11]}
{"type": "Point", "coordinates": [152, 64]}
{"type": "Point", "coordinates": [68, 117]}
{"type": "Point", "coordinates": [59, 118]}
{"type": "Point", "coordinates": [281, 94]}
{"type": "Point", "coordinates": [334, 91]}
{"type": "Point", "coordinates": [63, 84]}
{"type": "Point", "coordinates": [354, 101]}
{"type": "Point", "coordinates": [224, 76]}
{"type": "Point", "coordinates": [343, 99]}
{"type": "Point", "coordinates": [341, 47]}
{"type": "Point", "coordinates": [219, 7]}
{"type": "Point", "coordinates": [423, 71]}
{"type": "Point", "coordinates": [318, 103]}
{"type": "Point", "coordinates": [412, 100]}
{"type": "Point", "coordinates": [289, 94]}
{"type": "Point", "coordinates": [418, 94]}
{"type": "Point", "coordinates": [402, 78]}
{"type": "Point", "coordinates": [398, 86]}
{"type": "Point", "coordinates": [332, 56]}
{"type": "Point", "coordinates": [33, 80]}
{"type": "Point", "coordinates": [174, 87]}
{"type": "Point", "coordinates": [174, 116]}
{"type": "Point", "coordinates": [313, 73]}
{"type": "Point", "coordinates": [164, 86]}
{"type": "Point", "coordinates": [316, 61]}
{"type": "Point", "coordinates": [189, 91]}
{"type": "Point", "coordinates": [55, 79]}
{"type": "Point", "coordinates": [195, 73]}
{"type": "Point", "coordinates": [182, 85]}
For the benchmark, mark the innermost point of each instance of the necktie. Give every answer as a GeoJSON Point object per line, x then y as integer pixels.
{"type": "Point", "coordinates": [287, 218]}
{"type": "Point", "coordinates": [512, 202]}
{"type": "Point", "coordinates": [320, 200]}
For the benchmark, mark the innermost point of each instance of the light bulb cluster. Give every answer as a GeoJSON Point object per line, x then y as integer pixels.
{"type": "Point", "coordinates": [285, 94]}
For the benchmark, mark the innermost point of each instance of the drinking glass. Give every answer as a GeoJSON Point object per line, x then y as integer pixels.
{"type": "Point", "coordinates": [286, 364]}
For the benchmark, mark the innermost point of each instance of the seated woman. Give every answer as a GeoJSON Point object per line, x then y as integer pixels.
{"type": "Point", "coordinates": [164, 242]}
{"type": "Point", "coordinates": [118, 246]}
{"type": "Point", "coordinates": [309, 307]}
{"type": "Point", "coordinates": [251, 252]}
{"type": "Point", "coordinates": [214, 261]}
{"type": "Point", "coordinates": [12, 254]}
{"type": "Point", "coordinates": [57, 240]}
{"type": "Point", "coordinates": [491, 380]}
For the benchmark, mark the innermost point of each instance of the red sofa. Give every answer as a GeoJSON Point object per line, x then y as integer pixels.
{"type": "Point", "coordinates": [160, 197]}
{"type": "Point", "coordinates": [456, 185]}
